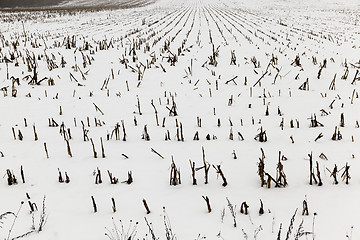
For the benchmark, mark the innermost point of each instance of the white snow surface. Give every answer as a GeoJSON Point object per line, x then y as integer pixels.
{"type": "Point", "coordinates": [147, 38]}
{"type": "Point", "coordinates": [104, 3]}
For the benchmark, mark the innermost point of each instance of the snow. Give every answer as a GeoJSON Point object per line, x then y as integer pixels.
{"type": "Point", "coordinates": [326, 29]}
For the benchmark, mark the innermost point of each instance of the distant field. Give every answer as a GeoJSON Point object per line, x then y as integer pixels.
{"type": "Point", "coordinates": [29, 3]}
{"type": "Point", "coordinates": [26, 4]}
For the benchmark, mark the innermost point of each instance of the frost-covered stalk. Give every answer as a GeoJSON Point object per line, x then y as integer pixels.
{"type": "Point", "coordinates": [43, 216]}
{"type": "Point", "coordinates": [232, 209]}
{"type": "Point", "coordinates": [146, 206]}
{"type": "Point", "coordinates": [174, 174]}
{"type": "Point", "coordinates": [93, 148]}
{"type": "Point", "coordinates": [94, 204]}
{"type": "Point", "coordinates": [193, 170]}
{"type": "Point", "coordinates": [305, 210]}
{"type": "Point", "coordinates": [102, 148]}
{"type": "Point", "coordinates": [346, 176]}
{"type": "Point", "coordinates": [291, 226]}
{"type": "Point", "coordinates": [219, 171]}
{"type": "Point", "coordinates": [113, 204]}
{"type": "Point", "coordinates": [15, 218]}
{"type": "Point", "coordinates": [207, 200]}
{"type": "Point", "coordinates": [68, 148]}
{"type": "Point", "coordinates": [244, 208]}
{"type": "Point", "coordinates": [261, 210]}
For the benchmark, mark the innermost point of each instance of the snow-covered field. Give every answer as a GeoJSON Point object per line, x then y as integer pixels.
{"type": "Point", "coordinates": [250, 89]}
{"type": "Point", "coordinates": [105, 3]}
